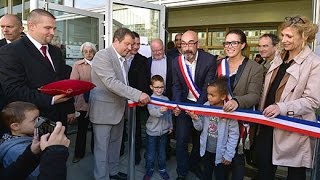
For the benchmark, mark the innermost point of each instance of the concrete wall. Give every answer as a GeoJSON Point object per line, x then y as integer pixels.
{"type": "Point", "coordinates": [238, 13]}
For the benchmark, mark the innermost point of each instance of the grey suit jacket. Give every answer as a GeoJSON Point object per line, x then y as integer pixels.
{"type": "Point", "coordinates": [108, 99]}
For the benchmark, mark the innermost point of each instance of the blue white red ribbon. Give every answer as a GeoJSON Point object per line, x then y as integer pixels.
{"type": "Point", "coordinates": [305, 127]}
{"type": "Point", "coordinates": [188, 78]}
{"type": "Point", "coordinates": [223, 70]}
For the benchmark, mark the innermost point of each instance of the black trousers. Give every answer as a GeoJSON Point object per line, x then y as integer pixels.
{"type": "Point", "coordinates": [83, 123]}
{"type": "Point", "coordinates": [264, 140]}
{"type": "Point", "coordinates": [210, 167]}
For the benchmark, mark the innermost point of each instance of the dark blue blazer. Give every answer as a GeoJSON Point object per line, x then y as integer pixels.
{"type": "Point", "coordinates": [23, 70]}
{"type": "Point", "coordinates": [205, 72]}
{"type": "Point", "coordinates": [168, 91]}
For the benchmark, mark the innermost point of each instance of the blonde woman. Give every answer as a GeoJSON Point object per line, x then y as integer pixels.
{"type": "Point", "coordinates": [291, 88]}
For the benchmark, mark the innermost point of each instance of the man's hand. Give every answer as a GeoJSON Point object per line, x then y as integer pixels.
{"type": "Point", "coordinates": [144, 98]}
{"type": "Point", "coordinates": [176, 111]}
{"type": "Point", "coordinates": [60, 98]}
{"type": "Point", "coordinates": [231, 106]}
{"type": "Point", "coordinates": [57, 137]}
{"type": "Point", "coordinates": [71, 118]}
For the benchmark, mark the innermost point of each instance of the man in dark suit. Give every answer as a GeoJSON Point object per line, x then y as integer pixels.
{"type": "Point", "coordinates": [176, 51]}
{"type": "Point", "coordinates": [32, 62]}
{"type": "Point", "coordinates": [202, 69]}
{"type": "Point", "coordinates": [11, 28]}
{"type": "Point", "coordinates": [160, 64]}
{"type": "Point", "coordinates": [138, 78]}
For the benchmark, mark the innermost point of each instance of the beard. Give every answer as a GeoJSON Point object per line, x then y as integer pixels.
{"type": "Point", "coordinates": [188, 55]}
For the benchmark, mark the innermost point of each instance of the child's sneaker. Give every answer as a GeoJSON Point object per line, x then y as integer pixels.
{"type": "Point", "coordinates": [164, 174]}
{"type": "Point", "coordinates": [148, 175]}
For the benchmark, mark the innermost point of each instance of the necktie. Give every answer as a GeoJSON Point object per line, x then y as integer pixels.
{"type": "Point", "coordinates": [44, 51]}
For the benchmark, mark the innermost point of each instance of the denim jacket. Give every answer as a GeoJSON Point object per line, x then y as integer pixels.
{"type": "Point", "coordinates": [228, 135]}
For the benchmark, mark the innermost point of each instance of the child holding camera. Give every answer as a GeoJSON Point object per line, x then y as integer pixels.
{"type": "Point", "coordinates": [20, 118]}
{"type": "Point", "coordinates": [219, 136]}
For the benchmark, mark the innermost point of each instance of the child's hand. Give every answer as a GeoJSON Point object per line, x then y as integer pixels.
{"type": "Point", "coordinates": [35, 146]}
{"type": "Point", "coordinates": [192, 115]}
{"type": "Point", "coordinates": [163, 109]}
{"type": "Point", "coordinates": [170, 131]}
{"type": "Point", "coordinates": [225, 162]}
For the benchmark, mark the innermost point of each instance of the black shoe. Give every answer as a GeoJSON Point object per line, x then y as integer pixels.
{"type": "Point", "coordinates": [181, 178]}
{"type": "Point", "coordinates": [196, 171]}
{"type": "Point", "coordinates": [119, 176]}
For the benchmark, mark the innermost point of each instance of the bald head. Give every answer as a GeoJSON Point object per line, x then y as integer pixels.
{"type": "Point", "coordinates": [189, 45]}
{"type": "Point", "coordinates": [157, 49]}
{"type": "Point", "coordinates": [11, 27]}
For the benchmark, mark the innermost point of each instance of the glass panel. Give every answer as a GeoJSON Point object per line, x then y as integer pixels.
{"type": "Point", "coordinates": [202, 38]}
{"type": "Point", "coordinates": [72, 31]}
{"type": "Point", "coordinates": [217, 51]}
{"type": "Point", "coordinates": [18, 8]}
{"type": "Point", "coordinates": [55, 1]}
{"type": "Point", "coordinates": [216, 37]}
{"type": "Point", "coordinates": [141, 20]}
{"type": "Point", "coordinates": [83, 4]}
{"type": "Point", "coordinates": [3, 7]}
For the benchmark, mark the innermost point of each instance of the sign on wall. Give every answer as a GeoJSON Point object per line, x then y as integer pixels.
{"type": "Point", "coordinates": [73, 51]}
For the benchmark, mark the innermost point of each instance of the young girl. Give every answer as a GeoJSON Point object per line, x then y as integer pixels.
{"type": "Point", "coordinates": [219, 136]}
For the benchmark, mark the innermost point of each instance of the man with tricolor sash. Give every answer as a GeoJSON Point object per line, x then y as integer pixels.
{"type": "Point", "coordinates": [191, 73]}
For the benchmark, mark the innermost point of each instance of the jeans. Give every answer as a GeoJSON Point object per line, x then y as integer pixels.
{"type": "Point", "coordinates": [219, 170]}
{"type": "Point", "coordinates": [185, 129]}
{"type": "Point", "coordinates": [156, 145]}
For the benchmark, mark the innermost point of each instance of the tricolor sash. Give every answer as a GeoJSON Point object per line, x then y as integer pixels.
{"type": "Point", "coordinates": [305, 127]}
{"type": "Point", "coordinates": [188, 78]}
{"type": "Point", "coordinates": [223, 70]}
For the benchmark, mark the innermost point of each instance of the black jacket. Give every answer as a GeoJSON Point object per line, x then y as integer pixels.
{"type": "Point", "coordinates": [52, 164]}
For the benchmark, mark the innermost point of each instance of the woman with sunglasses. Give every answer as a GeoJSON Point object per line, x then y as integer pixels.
{"type": "Point", "coordinates": [291, 88]}
{"type": "Point", "coordinates": [245, 83]}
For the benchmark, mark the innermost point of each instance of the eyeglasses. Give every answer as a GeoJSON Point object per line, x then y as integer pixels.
{"type": "Point", "coordinates": [294, 20]}
{"type": "Point", "coordinates": [189, 44]}
{"type": "Point", "coordinates": [232, 43]}
{"type": "Point", "coordinates": [158, 87]}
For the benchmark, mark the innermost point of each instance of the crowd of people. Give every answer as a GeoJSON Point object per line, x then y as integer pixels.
{"type": "Point", "coordinates": [283, 80]}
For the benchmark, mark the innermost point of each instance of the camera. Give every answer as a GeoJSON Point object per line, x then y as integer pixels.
{"type": "Point", "coordinates": [43, 126]}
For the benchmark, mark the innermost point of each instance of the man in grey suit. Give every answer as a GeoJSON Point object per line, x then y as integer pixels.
{"type": "Point", "coordinates": [108, 102]}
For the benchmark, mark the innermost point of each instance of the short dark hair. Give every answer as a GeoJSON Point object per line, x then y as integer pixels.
{"type": "Point", "coordinates": [241, 34]}
{"type": "Point", "coordinates": [274, 38]}
{"type": "Point", "coordinates": [34, 14]}
{"type": "Point", "coordinates": [221, 83]}
{"type": "Point", "coordinates": [135, 34]}
{"type": "Point", "coordinates": [15, 112]}
{"type": "Point", "coordinates": [156, 78]}
{"type": "Point", "coordinates": [120, 33]}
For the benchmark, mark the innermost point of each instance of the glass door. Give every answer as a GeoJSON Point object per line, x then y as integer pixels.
{"type": "Point", "coordinates": [147, 19]}
{"type": "Point", "coordinates": [74, 27]}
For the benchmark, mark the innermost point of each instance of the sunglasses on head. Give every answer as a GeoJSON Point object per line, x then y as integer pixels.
{"type": "Point", "coordinates": [294, 20]}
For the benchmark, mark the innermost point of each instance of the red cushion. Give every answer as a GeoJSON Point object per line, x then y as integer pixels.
{"type": "Point", "coordinates": [70, 87]}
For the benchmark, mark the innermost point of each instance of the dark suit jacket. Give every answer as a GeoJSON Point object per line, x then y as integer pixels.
{"type": "Point", "coordinates": [168, 91]}
{"type": "Point", "coordinates": [205, 72]}
{"type": "Point", "coordinates": [138, 75]}
{"type": "Point", "coordinates": [3, 42]}
{"type": "Point", "coordinates": [23, 70]}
